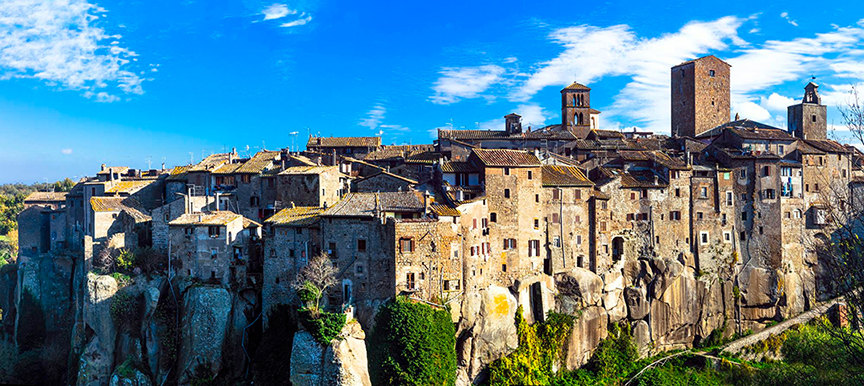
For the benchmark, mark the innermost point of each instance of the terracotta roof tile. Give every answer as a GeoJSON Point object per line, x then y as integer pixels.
{"type": "Point", "coordinates": [211, 218]}
{"type": "Point", "coordinates": [179, 173]}
{"type": "Point", "coordinates": [46, 197]}
{"type": "Point", "coordinates": [210, 162]}
{"type": "Point", "coordinates": [577, 86]}
{"type": "Point", "coordinates": [259, 162]}
{"type": "Point", "coordinates": [508, 158]}
{"type": "Point", "coordinates": [317, 142]}
{"type": "Point", "coordinates": [120, 204]}
{"type": "Point", "coordinates": [458, 167]}
{"type": "Point", "coordinates": [114, 169]}
{"type": "Point", "coordinates": [556, 175]}
{"type": "Point", "coordinates": [444, 210]}
{"type": "Point", "coordinates": [827, 145]}
{"type": "Point", "coordinates": [129, 186]}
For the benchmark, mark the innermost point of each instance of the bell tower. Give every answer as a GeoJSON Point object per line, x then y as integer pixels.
{"type": "Point", "coordinates": [808, 119]}
{"type": "Point", "coordinates": [576, 109]}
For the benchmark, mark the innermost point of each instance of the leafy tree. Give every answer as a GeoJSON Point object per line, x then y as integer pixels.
{"type": "Point", "coordinates": [412, 344]}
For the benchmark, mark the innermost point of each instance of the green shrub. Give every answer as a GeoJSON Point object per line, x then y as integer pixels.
{"type": "Point", "coordinates": [31, 334]}
{"type": "Point", "coordinates": [412, 344]}
{"type": "Point", "coordinates": [126, 311]}
{"type": "Point", "coordinates": [121, 278]}
{"type": "Point", "coordinates": [325, 327]}
{"type": "Point", "coordinates": [615, 355]}
{"type": "Point", "coordinates": [540, 347]}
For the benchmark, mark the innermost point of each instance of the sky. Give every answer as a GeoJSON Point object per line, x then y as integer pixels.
{"type": "Point", "coordinates": [139, 83]}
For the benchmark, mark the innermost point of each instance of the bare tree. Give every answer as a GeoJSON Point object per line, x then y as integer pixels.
{"type": "Point", "coordinates": [840, 248]}
{"type": "Point", "coordinates": [314, 280]}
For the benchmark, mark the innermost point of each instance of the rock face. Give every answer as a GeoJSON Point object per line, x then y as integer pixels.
{"type": "Point", "coordinates": [97, 357]}
{"type": "Point", "coordinates": [94, 366]}
{"type": "Point", "coordinates": [134, 378]}
{"type": "Point", "coordinates": [342, 363]}
{"type": "Point", "coordinates": [204, 328]}
{"type": "Point", "coordinates": [588, 330]}
{"type": "Point", "coordinates": [488, 331]}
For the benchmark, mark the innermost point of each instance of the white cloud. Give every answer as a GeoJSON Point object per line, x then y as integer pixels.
{"type": "Point", "coordinates": [789, 20]}
{"type": "Point", "coordinates": [374, 117]}
{"type": "Point", "coordinates": [532, 115]}
{"type": "Point", "coordinates": [277, 11]}
{"type": "Point", "coordinates": [59, 44]}
{"type": "Point", "coordinates": [101, 97]}
{"type": "Point", "coordinates": [751, 111]}
{"type": "Point", "coordinates": [66, 151]}
{"type": "Point", "coordinates": [297, 22]}
{"type": "Point", "coordinates": [776, 102]}
{"type": "Point", "coordinates": [464, 83]}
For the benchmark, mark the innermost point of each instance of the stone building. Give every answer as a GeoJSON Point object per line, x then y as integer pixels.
{"type": "Point", "coordinates": [700, 96]}
{"type": "Point", "coordinates": [808, 119]}
{"type": "Point", "coordinates": [311, 185]}
{"type": "Point", "coordinates": [218, 246]}
{"type": "Point", "coordinates": [384, 182]}
{"type": "Point", "coordinates": [329, 148]}
{"type": "Point", "coordinates": [293, 236]}
{"type": "Point", "coordinates": [46, 199]}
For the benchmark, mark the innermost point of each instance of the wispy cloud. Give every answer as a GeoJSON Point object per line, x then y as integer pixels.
{"type": "Point", "coordinates": [374, 117]}
{"type": "Point", "coordinates": [464, 83]}
{"type": "Point", "coordinates": [277, 11]}
{"type": "Point", "coordinates": [59, 44]}
{"type": "Point", "coordinates": [66, 151]}
{"type": "Point", "coordinates": [298, 22]}
{"type": "Point", "coordinates": [785, 15]}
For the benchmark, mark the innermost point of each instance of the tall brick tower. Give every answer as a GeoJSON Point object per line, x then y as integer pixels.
{"type": "Point", "coordinates": [576, 109]}
{"type": "Point", "coordinates": [808, 119]}
{"type": "Point", "coordinates": [700, 96]}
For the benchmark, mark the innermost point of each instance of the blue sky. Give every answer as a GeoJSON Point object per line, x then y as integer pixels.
{"type": "Point", "coordinates": [119, 82]}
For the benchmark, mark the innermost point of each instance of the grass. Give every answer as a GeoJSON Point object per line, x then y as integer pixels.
{"type": "Point", "coordinates": [4, 238]}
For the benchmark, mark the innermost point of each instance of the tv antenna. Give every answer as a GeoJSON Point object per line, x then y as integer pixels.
{"type": "Point", "coordinates": [149, 162]}
{"type": "Point", "coordinates": [293, 135]}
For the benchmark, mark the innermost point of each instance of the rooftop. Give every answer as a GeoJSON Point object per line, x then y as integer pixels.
{"type": "Point", "coordinates": [308, 170]}
{"type": "Point", "coordinates": [298, 216]}
{"type": "Point", "coordinates": [212, 218]}
{"type": "Point", "coordinates": [577, 86]}
{"type": "Point", "coordinates": [506, 158]}
{"type": "Point", "coordinates": [556, 175]}
{"type": "Point", "coordinates": [129, 186]}
{"type": "Point", "coordinates": [113, 169]}
{"type": "Point", "coordinates": [120, 204]}
{"type": "Point", "coordinates": [46, 197]}
{"type": "Point", "coordinates": [260, 161]}
{"type": "Point", "coordinates": [212, 161]}
{"type": "Point", "coordinates": [343, 142]}
{"type": "Point", "coordinates": [365, 204]}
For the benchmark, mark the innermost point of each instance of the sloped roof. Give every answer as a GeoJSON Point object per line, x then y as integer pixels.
{"type": "Point", "coordinates": [703, 58]}
{"type": "Point", "coordinates": [641, 179]}
{"type": "Point", "coordinates": [129, 186]}
{"type": "Point", "coordinates": [343, 142]}
{"type": "Point", "coordinates": [827, 145]}
{"type": "Point", "coordinates": [577, 86]}
{"type": "Point", "coordinates": [260, 161]}
{"type": "Point", "coordinates": [747, 129]}
{"type": "Point", "coordinates": [423, 157]}
{"type": "Point", "coordinates": [307, 170]}
{"type": "Point", "coordinates": [120, 204]}
{"type": "Point", "coordinates": [458, 167]}
{"type": "Point", "coordinates": [210, 162]}
{"type": "Point", "coordinates": [506, 158]}
{"type": "Point", "coordinates": [556, 175]}
{"type": "Point", "coordinates": [364, 204]}
{"type": "Point", "coordinates": [386, 174]}
{"type": "Point", "coordinates": [179, 173]}
{"type": "Point", "coordinates": [46, 197]}
{"type": "Point", "coordinates": [221, 217]}
{"type": "Point", "coordinates": [296, 217]}
{"type": "Point", "coordinates": [227, 168]}
{"type": "Point", "coordinates": [444, 210]}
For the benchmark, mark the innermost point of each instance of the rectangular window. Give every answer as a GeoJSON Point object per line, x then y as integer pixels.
{"type": "Point", "coordinates": [493, 217]}
{"type": "Point", "coordinates": [406, 245]}
{"type": "Point", "coordinates": [533, 248]}
{"type": "Point", "coordinates": [769, 194]}
{"type": "Point", "coordinates": [214, 231]}
{"type": "Point", "coordinates": [556, 194]}
{"type": "Point", "coordinates": [632, 195]}
{"type": "Point", "coordinates": [815, 187]}
{"type": "Point", "coordinates": [729, 196]}
{"type": "Point", "coordinates": [602, 226]}
{"type": "Point", "coordinates": [536, 198]}
{"type": "Point", "coordinates": [506, 193]}
{"type": "Point", "coordinates": [361, 245]}
{"type": "Point", "coordinates": [506, 171]}
{"type": "Point", "coordinates": [743, 216]}
{"type": "Point", "coordinates": [530, 175]}
{"type": "Point", "coordinates": [743, 173]}
{"type": "Point", "coordinates": [484, 223]}
{"type": "Point", "coordinates": [578, 239]}
{"type": "Point", "coordinates": [675, 215]}
{"type": "Point", "coordinates": [556, 241]}
{"type": "Point", "coordinates": [727, 237]}
{"type": "Point", "coordinates": [578, 193]}
{"type": "Point", "coordinates": [703, 238]}
{"type": "Point", "coordinates": [578, 219]}
{"type": "Point", "coordinates": [555, 219]}
{"type": "Point", "coordinates": [536, 223]}
{"type": "Point", "coordinates": [677, 192]}
{"type": "Point", "coordinates": [699, 215]}
{"type": "Point", "coordinates": [409, 280]}
{"type": "Point", "coordinates": [780, 149]}
{"type": "Point", "coordinates": [742, 236]}
{"type": "Point", "coordinates": [726, 175]}
{"type": "Point", "coordinates": [703, 192]}
{"type": "Point", "coordinates": [473, 223]}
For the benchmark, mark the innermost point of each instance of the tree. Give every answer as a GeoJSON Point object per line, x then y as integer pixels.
{"type": "Point", "coordinates": [840, 245]}
{"type": "Point", "coordinates": [314, 280]}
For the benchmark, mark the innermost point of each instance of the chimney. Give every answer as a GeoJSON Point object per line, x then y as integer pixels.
{"type": "Point", "coordinates": [292, 205]}
{"type": "Point", "coordinates": [217, 201]}
{"type": "Point", "coordinates": [163, 166]}
{"type": "Point", "coordinates": [232, 155]}
{"type": "Point", "coordinates": [103, 168]}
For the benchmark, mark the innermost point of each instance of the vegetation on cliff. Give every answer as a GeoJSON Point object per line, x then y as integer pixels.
{"type": "Point", "coordinates": [412, 344]}
{"type": "Point", "coordinates": [540, 347]}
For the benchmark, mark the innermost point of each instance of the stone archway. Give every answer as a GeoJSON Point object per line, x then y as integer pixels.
{"type": "Point", "coordinates": [617, 249]}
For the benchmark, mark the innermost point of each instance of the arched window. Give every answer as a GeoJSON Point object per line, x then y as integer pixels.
{"type": "Point", "coordinates": [581, 119]}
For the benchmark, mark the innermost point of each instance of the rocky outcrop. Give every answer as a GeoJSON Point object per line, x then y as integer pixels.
{"type": "Point", "coordinates": [589, 329]}
{"type": "Point", "coordinates": [97, 357]}
{"type": "Point", "coordinates": [206, 318]}
{"type": "Point", "coordinates": [94, 366]}
{"type": "Point", "coordinates": [488, 331]}
{"type": "Point", "coordinates": [129, 377]}
{"type": "Point", "coordinates": [342, 363]}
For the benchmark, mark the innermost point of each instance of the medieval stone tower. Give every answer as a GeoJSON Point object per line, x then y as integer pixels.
{"type": "Point", "coordinates": [576, 109]}
{"type": "Point", "coordinates": [700, 96]}
{"type": "Point", "coordinates": [808, 119]}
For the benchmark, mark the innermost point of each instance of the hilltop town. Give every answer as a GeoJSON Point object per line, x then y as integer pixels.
{"type": "Point", "coordinates": [708, 230]}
